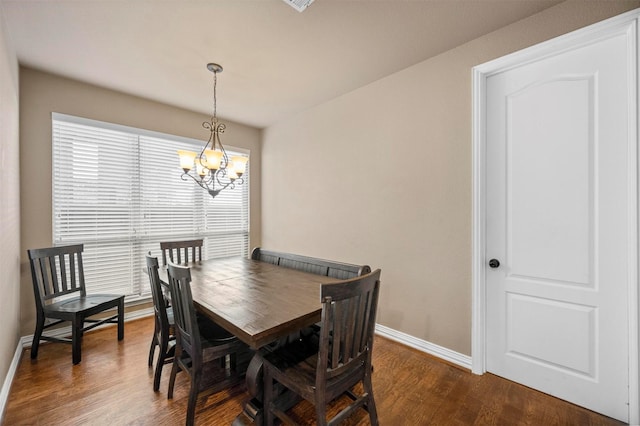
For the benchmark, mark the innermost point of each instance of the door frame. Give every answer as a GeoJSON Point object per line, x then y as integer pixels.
{"type": "Point", "coordinates": [626, 23]}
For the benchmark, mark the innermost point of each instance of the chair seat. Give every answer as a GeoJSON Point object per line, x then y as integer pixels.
{"type": "Point", "coordinates": [211, 333]}
{"type": "Point", "coordinates": [82, 303]}
{"type": "Point", "coordinates": [295, 355]}
{"type": "Point", "coordinates": [297, 360]}
{"type": "Point", "coordinates": [295, 366]}
{"type": "Point", "coordinates": [215, 340]}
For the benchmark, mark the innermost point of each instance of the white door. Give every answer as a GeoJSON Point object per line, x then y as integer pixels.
{"type": "Point", "coordinates": [560, 211]}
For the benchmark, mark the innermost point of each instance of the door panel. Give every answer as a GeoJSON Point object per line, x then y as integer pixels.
{"type": "Point", "coordinates": [567, 331]}
{"type": "Point", "coordinates": [550, 217]}
{"type": "Point", "coordinates": [559, 187]}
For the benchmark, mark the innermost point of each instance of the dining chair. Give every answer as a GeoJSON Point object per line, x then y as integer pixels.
{"type": "Point", "coordinates": [341, 360]}
{"type": "Point", "coordinates": [60, 294]}
{"type": "Point", "coordinates": [213, 358]}
{"type": "Point", "coordinates": [164, 329]}
{"type": "Point", "coordinates": [178, 251]}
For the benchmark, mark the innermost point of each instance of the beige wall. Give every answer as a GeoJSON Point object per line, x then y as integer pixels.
{"type": "Point", "coordinates": [40, 95]}
{"type": "Point", "coordinates": [382, 176]}
{"type": "Point", "coordinates": [9, 206]}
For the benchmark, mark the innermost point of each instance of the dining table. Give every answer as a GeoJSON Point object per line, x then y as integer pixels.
{"type": "Point", "coordinates": [260, 303]}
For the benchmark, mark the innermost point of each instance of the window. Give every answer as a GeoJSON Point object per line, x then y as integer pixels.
{"type": "Point", "coordinates": [119, 191]}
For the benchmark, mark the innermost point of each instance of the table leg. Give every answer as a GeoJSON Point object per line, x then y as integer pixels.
{"type": "Point", "coordinates": [252, 413]}
{"type": "Point", "coordinates": [252, 410]}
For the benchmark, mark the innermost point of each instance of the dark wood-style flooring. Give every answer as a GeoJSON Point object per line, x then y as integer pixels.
{"type": "Point", "coordinates": [113, 386]}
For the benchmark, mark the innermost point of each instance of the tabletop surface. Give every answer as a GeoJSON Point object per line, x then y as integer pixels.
{"type": "Point", "coordinates": [257, 301]}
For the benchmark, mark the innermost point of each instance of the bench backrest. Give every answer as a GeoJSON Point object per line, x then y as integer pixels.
{"type": "Point", "coordinates": [328, 268]}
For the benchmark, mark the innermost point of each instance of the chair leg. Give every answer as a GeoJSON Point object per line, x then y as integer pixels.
{"type": "Point", "coordinates": [321, 411]}
{"type": "Point", "coordinates": [121, 319]}
{"type": "Point", "coordinates": [159, 365]}
{"type": "Point", "coordinates": [36, 336]}
{"type": "Point", "coordinates": [152, 349]}
{"type": "Point", "coordinates": [174, 371]}
{"type": "Point", "coordinates": [193, 398]}
{"type": "Point", "coordinates": [371, 403]}
{"type": "Point", "coordinates": [76, 339]}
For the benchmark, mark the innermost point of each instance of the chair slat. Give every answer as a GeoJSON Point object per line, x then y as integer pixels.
{"type": "Point", "coordinates": [350, 317]}
{"type": "Point", "coordinates": [359, 325]}
{"type": "Point", "coordinates": [40, 276]}
{"type": "Point", "coordinates": [53, 275]}
{"type": "Point", "coordinates": [72, 271]}
{"type": "Point", "coordinates": [83, 288]}
{"type": "Point", "coordinates": [337, 320]}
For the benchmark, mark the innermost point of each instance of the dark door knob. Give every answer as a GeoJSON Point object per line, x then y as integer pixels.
{"type": "Point", "coordinates": [494, 263]}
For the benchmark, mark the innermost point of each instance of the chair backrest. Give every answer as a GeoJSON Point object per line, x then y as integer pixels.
{"type": "Point", "coordinates": [347, 325]}
{"type": "Point", "coordinates": [55, 272]}
{"type": "Point", "coordinates": [159, 302]}
{"type": "Point", "coordinates": [184, 313]}
{"type": "Point", "coordinates": [178, 251]}
{"type": "Point", "coordinates": [328, 268]}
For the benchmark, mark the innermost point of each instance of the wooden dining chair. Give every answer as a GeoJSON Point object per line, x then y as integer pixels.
{"type": "Point", "coordinates": [341, 360]}
{"type": "Point", "coordinates": [57, 274]}
{"type": "Point", "coordinates": [164, 330]}
{"type": "Point", "coordinates": [178, 251]}
{"type": "Point", "coordinates": [213, 358]}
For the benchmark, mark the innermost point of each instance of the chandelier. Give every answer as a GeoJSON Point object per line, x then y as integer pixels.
{"type": "Point", "coordinates": [212, 168]}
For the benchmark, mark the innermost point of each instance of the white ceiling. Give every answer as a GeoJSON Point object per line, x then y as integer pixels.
{"type": "Point", "coordinates": [276, 60]}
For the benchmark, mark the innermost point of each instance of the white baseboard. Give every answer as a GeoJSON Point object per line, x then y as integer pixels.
{"type": "Point", "coordinates": [6, 386]}
{"type": "Point", "coordinates": [424, 346]}
{"type": "Point", "coordinates": [25, 342]}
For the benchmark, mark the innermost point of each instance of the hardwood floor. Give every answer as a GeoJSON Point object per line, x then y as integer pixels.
{"type": "Point", "coordinates": [112, 385]}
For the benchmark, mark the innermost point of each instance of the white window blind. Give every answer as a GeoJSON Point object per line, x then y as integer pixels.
{"type": "Point", "coordinates": [119, 191]}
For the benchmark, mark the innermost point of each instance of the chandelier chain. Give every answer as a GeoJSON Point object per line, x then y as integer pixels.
{"type": "Point", "coordinates": [215, 100]}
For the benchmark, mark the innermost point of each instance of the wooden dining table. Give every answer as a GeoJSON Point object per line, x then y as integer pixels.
{"type": "Point", "coordinates": [258, 302]}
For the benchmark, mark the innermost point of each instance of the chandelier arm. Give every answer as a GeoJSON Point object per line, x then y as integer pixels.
{"type": "Point", "coordinates": [222, 173]}
{"type": "Point", "coordinates": [231, 183]}
{"type": "Point", "coordinates": [195, 179]}
{"type": "Point", "coordinates": [207, 181]}
{"type": "Point", "coordinates": [203, 183]}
